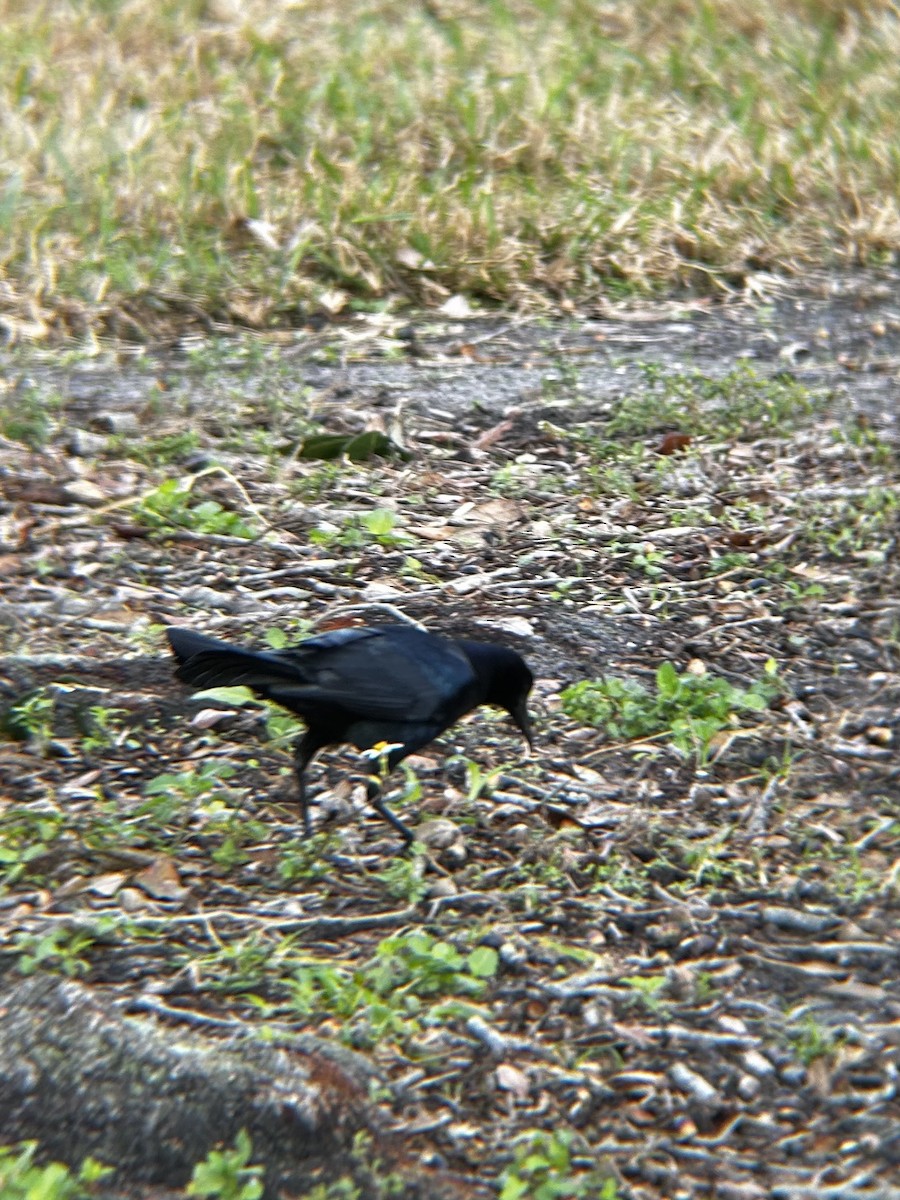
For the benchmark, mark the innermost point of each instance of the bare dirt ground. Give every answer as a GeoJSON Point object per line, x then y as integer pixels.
{"type": "Point", "coordinates": [693, 989]}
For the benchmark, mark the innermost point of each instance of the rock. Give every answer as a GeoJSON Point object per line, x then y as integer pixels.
{"type": "Point", "coordinates": [82, 491]}
{"type": "Point", "coordinates": [84, 444]}
{"type": "Point", "coordinates": [116, 422]}
{"type": "Point", "coordinates": [438, 834]}
{"type": "Point", "coordinates": [441, 888]}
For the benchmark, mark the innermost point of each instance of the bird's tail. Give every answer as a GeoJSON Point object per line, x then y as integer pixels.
{"type": "Point", "coordinates": [205, 662]}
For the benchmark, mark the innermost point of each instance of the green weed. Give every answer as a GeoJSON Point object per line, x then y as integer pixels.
{"type": "Point", "coordinates": [228, 1174]}
{"type": "Point", "coordinates": [741, 404]}
{"type": "Point", "coordinates": [22, 1179]}
{"type": "Point", "coordinates": [171, 792]}
{"type": "Point", "coordinates": [172, 506]}
{"type": "Point", "coordinates": [388, 995]}
{"type": "Point", "coordinates": [647, 990]}
{"type": "Point", "coordinates": [404, 879]}
{"type": "Point", "coordinates": [812, 1040]}
{"type": "Point", "coordinates": [26, 837]}
{"type": "Point", "coordinates": [61, 948]}
{"type": "Point", "coordinates": [543, 1169]}
{"type": "Point", "coordinates": [31, 718]}
{"type": "Point", "coordinates": [29, 415]}
{"type": "Point", "coordinates": [159, 451]}
{"type": "Point", "coordinates": [107, 729]}
{"type": "Point", "coordinates": [686, 708]}
{"type": "Point", "coordinates": [378, 527]}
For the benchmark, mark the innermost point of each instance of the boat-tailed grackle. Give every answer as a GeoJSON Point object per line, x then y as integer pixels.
{"type": "Point", "coordinates": [365, 685]}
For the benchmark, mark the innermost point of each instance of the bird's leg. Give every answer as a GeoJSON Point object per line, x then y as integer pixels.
{"type": "Point", "coordinates": [373, 795]}
{"type": "Point", "coordinates": [302, 756]}
{"type": "Point", "coordinates": [304, 804]}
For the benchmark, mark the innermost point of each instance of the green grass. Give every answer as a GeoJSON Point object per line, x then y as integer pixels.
{"type": "Point", "coordinates": [238, 162]}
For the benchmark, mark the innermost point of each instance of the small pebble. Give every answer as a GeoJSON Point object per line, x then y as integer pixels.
{"type": "Point", "coordinates": [82, 491]}
{"type": "Point", "coordinates": [438, 833]}
{"type": "Point", "coordinates": [794, 1075]}
{"type": "Point", "coordinates": [757, 1064]}
{"type": "Point", "coordinates": [748, 1088]}
{"type": "Point", "coordinates": [441, 888]}
{"type": "Point", "coordinates": [84, 444]}
{"type": "Point", "coordinates": [116, 422]}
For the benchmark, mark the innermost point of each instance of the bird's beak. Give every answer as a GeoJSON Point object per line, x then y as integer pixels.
{"type": "Point", "coordinates": [523, 722]}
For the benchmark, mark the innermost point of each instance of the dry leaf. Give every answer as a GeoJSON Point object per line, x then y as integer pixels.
{"type": "Point", "coordinates": [496, 434]}
{"type": "Point", "coordinates": [491, 512]}
{"type": "Point", "coordinates": [517, 625]}
{"type": "Point", "coordinates": [457, 307]}
{"type": "Point", "coordinates": [161, 880]}
{"type": "Point", "coordinates": [410, 258]}
{"type": "Point", "coordinates": [131, 899]}
{"type": "Point", "coordinates": [511, 1079]}
{"type": "Point", "coordinates": [744, 537]}
{"type": "Point", "coordinates": [109, 884]}
{"type": "Point", "coordinates": [432, 533]}
{"type": "Point", "coordinates": [262, 232]}
{"type": "Point", "coordinates": [674, 442]}
{"type": "Point", "coordinates": [381, 589]}
{"type": "Point", "coordinates": [80, 783]}
{"type": "Point", "coordinates": [589, 775]}
{"type": "Point", "coordinates": [72, 887]}
{"type": "Point", "coordinates": [333, 301]}
{"type": "Point", "coordinates": [206, 718]}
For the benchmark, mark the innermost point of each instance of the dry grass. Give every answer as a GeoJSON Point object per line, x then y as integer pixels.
{"type": "Point", "coordinates": [521, 152]}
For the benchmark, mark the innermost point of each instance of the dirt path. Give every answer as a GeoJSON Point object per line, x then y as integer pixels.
{"type": "Point", "coordinates": [676, 969]}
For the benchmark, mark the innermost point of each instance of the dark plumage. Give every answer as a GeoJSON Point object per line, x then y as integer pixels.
{"type": "Point", "coordinates": [365, 685]}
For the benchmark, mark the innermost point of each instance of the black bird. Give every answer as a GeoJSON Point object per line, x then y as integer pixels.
{"type": "Point", "coordinates": [365, 685]}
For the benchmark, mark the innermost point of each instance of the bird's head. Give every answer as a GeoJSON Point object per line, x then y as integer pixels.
{"type": "Point", "coordinates": [507, 681]}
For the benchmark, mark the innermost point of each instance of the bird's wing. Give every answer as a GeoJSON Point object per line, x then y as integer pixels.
{"type": "Point", "coordinates": [378, 673]}
{"type": "Point", "coordinates": [391, 673]}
